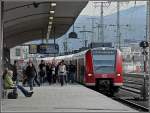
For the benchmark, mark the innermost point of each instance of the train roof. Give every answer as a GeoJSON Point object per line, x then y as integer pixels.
{"type": "Point", "coordinates": [83, 52]}
{"type": "Point", "coordinates": [104, 48]}
{"type": "Point", "coordinates": [80, 54]}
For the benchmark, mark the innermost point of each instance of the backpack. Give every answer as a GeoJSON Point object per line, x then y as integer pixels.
{"type": "Point", "coordinates": [12, 95]}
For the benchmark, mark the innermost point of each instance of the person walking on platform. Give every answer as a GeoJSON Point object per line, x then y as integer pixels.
{"type": "Point", "coordinates": [66, 74]}
{"type": "Point", "coordinates": [71, 74]}
{"type": "Point", "coordinates": [25, 78]}
{"type": "Point", "coordinates": [42, 69]}
{"type": "Point", "coordinates": [49, 73]}
{"type": "Point", "coordinates": [8, 84]}
{"type": "Point", "coordinates": [15, 71]}
{"type": "Point", "coordinates": [62, 72]}
{"type": "Point", "coordinates": [53, 68]}
{"type": "Point", "coordinates": [31, 73]}
{"type": "Point", "coordinates": [36, 80]}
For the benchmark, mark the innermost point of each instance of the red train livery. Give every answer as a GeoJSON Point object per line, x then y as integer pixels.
{"type": "Point", "coordinates": [99, 67]}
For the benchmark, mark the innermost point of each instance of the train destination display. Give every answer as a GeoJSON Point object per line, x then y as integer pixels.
{"type": "Point", "coordinates": [103, 52]}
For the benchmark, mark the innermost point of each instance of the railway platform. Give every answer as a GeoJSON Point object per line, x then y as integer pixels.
{"type": "Point", "coordinates": [69, 98]}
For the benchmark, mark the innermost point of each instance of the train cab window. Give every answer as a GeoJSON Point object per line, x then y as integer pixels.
{"type": "Point", "coordinates": [104, 62]}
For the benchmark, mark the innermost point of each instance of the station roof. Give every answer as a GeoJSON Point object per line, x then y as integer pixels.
{"type": "Point", "coordinates": [24, 22]}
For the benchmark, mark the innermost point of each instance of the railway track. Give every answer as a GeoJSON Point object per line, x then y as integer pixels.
{"type": "Point", "coordinates": [133, 86]}
{"type": "Point", "coordinates": [132, 104]}
{"type": "Point", "coordinates": [127, 101]}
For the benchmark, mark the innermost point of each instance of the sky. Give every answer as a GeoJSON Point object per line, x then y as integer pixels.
{"type": "Point", "coordinates": [92, 10]}
{"type": "Point", "coordinates": [93, 7]}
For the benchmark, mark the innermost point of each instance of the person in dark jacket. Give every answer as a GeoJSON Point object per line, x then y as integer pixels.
{"type": "Point", "coordinates": [72, 71]}
{"type": "Point", "coordinates": [36, 80]}
{"type": "Point", "coordinates": [53, 68]}
{"type": "Point", "coordinates": [42, 69]}
{"type": "Point", "coordinates": [15, 71]}
{"type": "Point", "coordinates": [31, 73]}
{"type": "Point", "coordinates": [49, 73]}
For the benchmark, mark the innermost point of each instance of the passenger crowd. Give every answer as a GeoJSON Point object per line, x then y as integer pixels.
{"type": "Point", "coordinates": [50, 72]}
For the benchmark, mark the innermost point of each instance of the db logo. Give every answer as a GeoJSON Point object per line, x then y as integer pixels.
{"type": "Point", "coordinates": [104, 75]}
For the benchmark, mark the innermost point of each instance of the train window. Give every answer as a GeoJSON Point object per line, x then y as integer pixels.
{"type": "Point", "coordinates": [104, 62]}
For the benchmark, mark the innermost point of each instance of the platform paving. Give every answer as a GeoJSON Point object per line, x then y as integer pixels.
{"type": "Point", "coordinates": [69, 98]}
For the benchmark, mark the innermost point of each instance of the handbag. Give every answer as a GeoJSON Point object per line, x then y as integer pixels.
{"type": "Point", "coordinates": [12, 95]}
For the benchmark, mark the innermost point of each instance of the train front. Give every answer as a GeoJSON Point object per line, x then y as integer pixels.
{"type": "Point", "coordinates": [107, 69]}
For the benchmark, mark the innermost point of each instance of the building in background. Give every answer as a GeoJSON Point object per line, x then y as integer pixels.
{"type": "Point", "coordinates": [132, 58]}
{"type": "Point", "coordinates": [19, 53]}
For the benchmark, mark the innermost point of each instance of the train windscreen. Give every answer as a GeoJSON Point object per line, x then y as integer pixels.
{"type": "Point", "coordinates": [104, 61]}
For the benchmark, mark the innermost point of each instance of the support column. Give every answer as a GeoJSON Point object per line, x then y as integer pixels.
{"type": "Point", "coordinates": [148, 38]}
{"type": "Point", "coordinates": [102, 23]}
{"type": "Point", "coordinates": [1, 38]}
{"type": "Point", "coordinates": [118, 25]}
{"type": "Point", "coordinates": [54, 34]}
{"type": "Point", "coordinates": [1, 45]}
{"type": "Point", "coordinates": [148, 30]}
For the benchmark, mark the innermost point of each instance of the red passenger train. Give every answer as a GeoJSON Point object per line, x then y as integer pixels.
{"type": "Point", "coordinates": [99, 67]}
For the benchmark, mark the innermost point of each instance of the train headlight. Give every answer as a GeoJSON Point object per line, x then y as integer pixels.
{"type": "Point", "coordinates": [118, 75]}
{"type": "Point", "coordinates": [90, 74]}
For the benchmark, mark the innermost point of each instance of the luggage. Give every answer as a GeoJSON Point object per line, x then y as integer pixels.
{"type": "Point", "coordinates": [12, 95]}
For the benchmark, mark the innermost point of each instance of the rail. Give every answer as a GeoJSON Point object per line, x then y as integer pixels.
{"type": "Point", "coordinates": [132, 104]}
{"type": "Point", "coordinates": [137, 83]}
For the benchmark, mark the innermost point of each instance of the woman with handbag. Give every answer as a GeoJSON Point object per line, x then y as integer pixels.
{"type": "Point", "coordinates": [8, 84]}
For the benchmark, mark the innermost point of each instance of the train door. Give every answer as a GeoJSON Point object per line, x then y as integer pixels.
{"type": "Point", "coordinates": [81, 70]}
{"type": "Point", "coordinates": [76, 64]}
{"type": "Point", "coordinates": [77, 73]}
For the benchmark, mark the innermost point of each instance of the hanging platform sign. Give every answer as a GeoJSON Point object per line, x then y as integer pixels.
{"type": "Point", "coordinates": [73, 35]}
{"type": "Point", "coordinates": [48, 49]}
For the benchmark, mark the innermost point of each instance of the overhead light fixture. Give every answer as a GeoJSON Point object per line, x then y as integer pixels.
{"type": "Point", "coordinates": [51, 18]}
{"type": "Point", "coordinates": [53, 4]}
{"type": "Point", "coordinates": [52, 12]}
{"type": "Point", "coordinates": [36, 5]}
{"type": "Point", "coordinates": [50, 23]}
